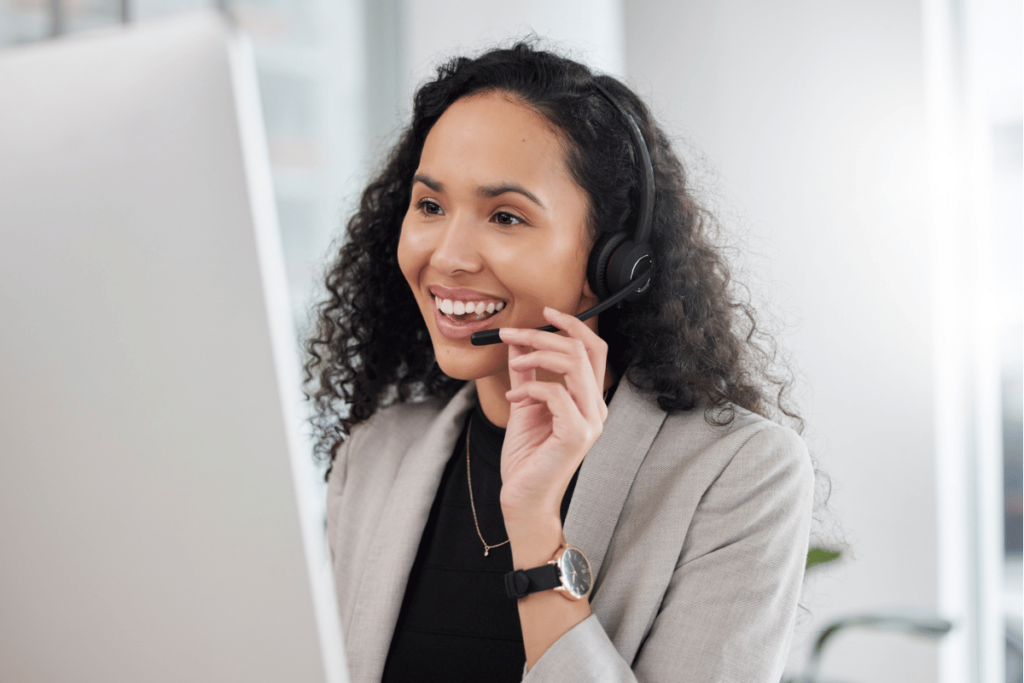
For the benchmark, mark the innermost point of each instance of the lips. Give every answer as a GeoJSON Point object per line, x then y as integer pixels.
{"type": "Point", "coordinates": [458, 313]}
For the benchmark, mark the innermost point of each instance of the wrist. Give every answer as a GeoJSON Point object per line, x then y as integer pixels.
{"type": "Point", "coordinates": [525, 510]}
{"type": "Point", "coordinates": [535, 542]}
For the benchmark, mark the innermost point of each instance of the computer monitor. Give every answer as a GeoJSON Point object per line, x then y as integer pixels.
{"type": "Point", "coordinates": [151, 416]}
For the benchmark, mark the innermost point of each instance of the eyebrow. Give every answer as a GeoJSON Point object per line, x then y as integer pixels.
{"type": "Point", "coordinates": [502, 188]}
{"type": "Point", "coordinates": [435, 185]}
{"type": "Point", "coordinates": [485, 191]}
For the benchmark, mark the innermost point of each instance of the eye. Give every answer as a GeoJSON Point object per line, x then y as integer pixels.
{"type": "Point", "coordinates": [429, 207]}
{"type": "Point", "coordinates": [507, 219]}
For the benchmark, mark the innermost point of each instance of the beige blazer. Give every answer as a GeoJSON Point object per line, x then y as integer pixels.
{"type": "Point", "coordinates": [697, 537]}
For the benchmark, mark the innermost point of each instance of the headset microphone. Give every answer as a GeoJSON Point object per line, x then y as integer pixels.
{"type": "Point", "coordinates": [616, 256]}
{"type": "Point", "coordinates": [638, 285]}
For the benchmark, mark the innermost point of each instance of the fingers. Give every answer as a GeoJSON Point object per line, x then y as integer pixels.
{"type": "Point", "coordinates": [567, 422]}
{"type": "Point", "coordinates": [574, 368]}
{"type": "Point", "coordinates": [595, 348]}
{"type": "Point", "coordinates": [580, 358]}
{"type": "Point", "coordinates": [518, 376]}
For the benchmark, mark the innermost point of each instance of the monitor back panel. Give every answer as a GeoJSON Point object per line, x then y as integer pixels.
{"type": "Point", "coordinates": [148, 521]}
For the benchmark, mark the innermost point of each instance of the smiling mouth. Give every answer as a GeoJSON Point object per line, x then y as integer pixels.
{"type": "Point", "coordinates": [467, 311]}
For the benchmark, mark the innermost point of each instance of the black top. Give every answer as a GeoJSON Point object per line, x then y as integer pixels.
{"type": "Point", "coordinates": [456, 622]}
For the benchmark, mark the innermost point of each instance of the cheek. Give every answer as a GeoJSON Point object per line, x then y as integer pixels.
{"type": "Point", "coordinates": [552, 271]}
{"type": "Point", "coordinates": [409, 257]}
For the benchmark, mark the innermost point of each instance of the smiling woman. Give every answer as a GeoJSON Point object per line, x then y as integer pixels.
{"type": "Point", "coordinates": [493, 205]}
{"type": "Point", "coordinates": [611, 502]}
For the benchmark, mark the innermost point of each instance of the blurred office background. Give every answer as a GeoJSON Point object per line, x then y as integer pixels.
{"type": "Point", "coordinates": [866, 160]}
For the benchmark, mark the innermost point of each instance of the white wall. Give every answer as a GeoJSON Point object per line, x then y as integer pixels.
{"type": "Point", "coordinates": [591, 31]}
{"type": "Point", "coordinates": [812, 116]}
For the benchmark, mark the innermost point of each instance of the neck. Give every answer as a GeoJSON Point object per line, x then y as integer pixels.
{"type": "Point", "coordinates": [491, 391]}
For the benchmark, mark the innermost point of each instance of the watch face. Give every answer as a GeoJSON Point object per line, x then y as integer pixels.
{"type": "Point", "coordinates": [575, 570]}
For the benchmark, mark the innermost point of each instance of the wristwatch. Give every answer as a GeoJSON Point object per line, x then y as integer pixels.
{"type": "Point", "coordinates": [568, 572]}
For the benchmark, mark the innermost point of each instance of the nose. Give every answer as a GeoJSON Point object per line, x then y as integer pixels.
{"type": "Point", "coordinates": [456, 249]}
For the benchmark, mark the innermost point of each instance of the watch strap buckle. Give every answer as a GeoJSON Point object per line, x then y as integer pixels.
{"type": "Point", "coordinates": [521, 582]}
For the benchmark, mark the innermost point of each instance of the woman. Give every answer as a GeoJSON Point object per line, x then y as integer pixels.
{"type": "Point", "coordinates": [632, 448]}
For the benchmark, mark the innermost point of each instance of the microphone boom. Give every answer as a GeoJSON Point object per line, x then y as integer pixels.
{"type": "Point", "coordinates": [486, 337]}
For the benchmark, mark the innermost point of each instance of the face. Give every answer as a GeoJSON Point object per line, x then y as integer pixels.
{"type": "Point", "coordinates": [496, 227]}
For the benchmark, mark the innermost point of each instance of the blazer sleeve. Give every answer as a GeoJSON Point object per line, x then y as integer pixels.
{"type": "Point", "coordinates": [335, 487]}
{"type": "Point", "coordinates": [728, 611]}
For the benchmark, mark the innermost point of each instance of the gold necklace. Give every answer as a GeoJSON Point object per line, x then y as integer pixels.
{"type": "Point", "coordinates": [472, 505]}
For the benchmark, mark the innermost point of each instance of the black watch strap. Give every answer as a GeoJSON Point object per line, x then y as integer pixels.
{"type": "Point", "coordinates": [522, 582]}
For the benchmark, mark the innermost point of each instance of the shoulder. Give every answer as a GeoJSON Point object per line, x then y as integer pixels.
{"type": "Point", "coordinates": [750, 481]}
{"type": "Point", "coordinates": [745, 432]}
{"type": "Point", "coordinates": [746, 452]}
{"type": "Point", "coordinates": [397, 422]}
{"type": "Point", "coordinates": [382, 439]}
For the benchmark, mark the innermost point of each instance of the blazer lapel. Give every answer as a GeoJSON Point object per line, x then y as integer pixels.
{"type": "Point", "coordinates": [608, 471]}
{"type": "Point", "coordinates": [397, 539]}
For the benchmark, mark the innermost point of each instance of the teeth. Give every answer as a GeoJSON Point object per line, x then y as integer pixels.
{"type": "Point", "coordinates": [450, 307]}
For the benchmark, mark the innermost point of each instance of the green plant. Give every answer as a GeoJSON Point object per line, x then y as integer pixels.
{"type": "Point", "coordinates": [819, 556]}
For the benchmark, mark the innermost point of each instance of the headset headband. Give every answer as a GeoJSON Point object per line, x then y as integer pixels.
{"type": "Point", "coordinates": [643, 223]}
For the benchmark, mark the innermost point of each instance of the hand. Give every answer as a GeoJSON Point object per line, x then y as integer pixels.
{"type": "Point", "coordinates": [551, 427]}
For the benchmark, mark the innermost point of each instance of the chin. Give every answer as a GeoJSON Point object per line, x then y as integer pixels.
{"type": "Point", "coordinates": [473, 363]}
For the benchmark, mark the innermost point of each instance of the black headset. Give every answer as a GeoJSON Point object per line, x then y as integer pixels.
{"type": "Point", "coordinates": [620, 264]}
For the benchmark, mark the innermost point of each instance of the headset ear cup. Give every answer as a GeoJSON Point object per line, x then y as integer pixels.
{"type": "Point", "coordinates": [629, 260]}
{"type": "Point", "coordinates": [597, 265]}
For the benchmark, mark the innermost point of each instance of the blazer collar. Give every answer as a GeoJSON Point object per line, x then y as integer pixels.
{"type": "Point", "coordinates": [607, 474]}
{"type": "Point", "coordinates": [604, 481]}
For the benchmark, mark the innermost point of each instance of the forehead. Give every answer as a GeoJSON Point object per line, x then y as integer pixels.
{"type": "Point", "coordinates": [492, 137]}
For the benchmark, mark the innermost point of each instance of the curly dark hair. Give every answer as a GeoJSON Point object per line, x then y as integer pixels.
{"type": "Point", "coordinates": [692, 340]}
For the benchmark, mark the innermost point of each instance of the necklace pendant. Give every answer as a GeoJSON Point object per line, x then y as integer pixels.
{"type": "Point", "coordinates": [486, 551]}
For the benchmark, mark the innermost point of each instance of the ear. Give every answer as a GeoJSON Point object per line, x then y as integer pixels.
{"type": "Point", "coordinates": [588, 293]}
